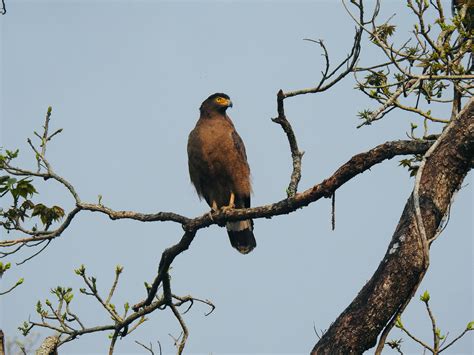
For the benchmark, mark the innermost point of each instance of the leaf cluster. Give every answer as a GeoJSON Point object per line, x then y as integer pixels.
{"type": "Point", "coordinates": [21, 191]}
{"type": "Point", "coordinates": [412, 164]}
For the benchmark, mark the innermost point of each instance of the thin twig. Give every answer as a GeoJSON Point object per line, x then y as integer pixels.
{"type": "Point", "coordinates": [295, 152]}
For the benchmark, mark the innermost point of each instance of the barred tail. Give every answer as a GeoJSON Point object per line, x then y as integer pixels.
{"type": "Point", "coordinates": [241, 236]}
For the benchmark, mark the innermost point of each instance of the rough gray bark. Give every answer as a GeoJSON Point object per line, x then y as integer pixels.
{"type": "Point", "coordinates": [2, 343]}
{"type": "Point", "coordinates": [48, 347]}
{"type": "Point", "coordinates": [407, 258]}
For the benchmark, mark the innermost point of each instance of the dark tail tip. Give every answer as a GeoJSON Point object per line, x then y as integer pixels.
{"type": "Point", "coordinates": [242, 240]}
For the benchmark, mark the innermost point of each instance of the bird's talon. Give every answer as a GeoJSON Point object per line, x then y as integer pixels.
{"type": "Point", "coordinates": [210, 215]}
{"type": "Point", "coordinates": [227, 208]}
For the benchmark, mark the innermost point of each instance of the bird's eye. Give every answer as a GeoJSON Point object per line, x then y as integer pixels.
{"type": "Point", "coordinates": [219, 99]}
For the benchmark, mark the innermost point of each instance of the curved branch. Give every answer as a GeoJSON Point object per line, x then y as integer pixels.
{"type": "Point", "coordinates": [356, 165]}
{"type": "Point", "coordinates": [166, 259]}
{"type": "Point", "coordinates": [296, 155]}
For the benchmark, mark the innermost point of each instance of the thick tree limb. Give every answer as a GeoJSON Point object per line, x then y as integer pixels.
{"type": "Point", "coordinates": [2, 343]}
{"type": "Point", "coordinates": [394, 282]}
{"type": "Point", "coordinates": [356, 165]}
{"type": "Point", "coordinates": [49, 346]}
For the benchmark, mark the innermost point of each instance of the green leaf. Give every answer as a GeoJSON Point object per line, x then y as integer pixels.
{"type": "Point", "coordinates": [11, 154]}
{"type": "Point", "coordinates": [470, 325]}
{"type": "Point", "coordinates": [25, 328]}
{"type": "Point", "coordinates": [68, 297]}
{"type": "Point", "coordinates": [10, 182]}
{"type": "Point", "coordinates": [405, 162]}
{"type": "Point", "coordinates": [439, 335]}
{"type": "Point", "coordinates": [57, 213]}
{"type": "Point", "coordinates": [23, 188]}
{"type": "Point", "coordinates": [48, 215]}
{"type": "Point", "coordinates": [27, 205]}
{"type": "Point", "coordinates": [365, 114]}
{"type": "Point", "coordinates": [4, 179]}
{"type": "Point", "coordinates": [4, 267]}
{"type": "Point", "coordinates": [39, 307]}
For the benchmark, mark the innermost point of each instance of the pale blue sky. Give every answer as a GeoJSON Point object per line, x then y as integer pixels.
{"type": "Point", "coordinates": [125, 80]}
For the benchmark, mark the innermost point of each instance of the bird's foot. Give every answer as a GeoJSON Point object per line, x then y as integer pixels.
{"type": "Point", "coordinates": [227, 208]}
{"type": "Point", "coordinates": [231, 204]}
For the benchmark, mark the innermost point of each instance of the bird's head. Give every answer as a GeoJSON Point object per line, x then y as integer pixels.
{"type": "Point", "coordinates": [217, 102]}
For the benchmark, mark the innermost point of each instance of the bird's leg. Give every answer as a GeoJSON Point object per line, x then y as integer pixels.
{"type": "Point", "coordinates": [231, 204]}
{"type": "Point", "coordinates": [213, 209]}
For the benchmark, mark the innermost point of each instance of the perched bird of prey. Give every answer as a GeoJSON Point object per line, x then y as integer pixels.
{"type": "Point", "coordinates": [218, 167]}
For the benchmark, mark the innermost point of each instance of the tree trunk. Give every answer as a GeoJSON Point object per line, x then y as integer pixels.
{"type": "Point", "coordinates": [2, 343]}
{"type": "Point", "coordinates": [405, 263]}
{"type": "Point", "coordinates": [49, 346]}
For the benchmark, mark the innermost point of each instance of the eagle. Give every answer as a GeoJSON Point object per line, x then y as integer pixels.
{"type": "Point", "coordinates": [218, 167]}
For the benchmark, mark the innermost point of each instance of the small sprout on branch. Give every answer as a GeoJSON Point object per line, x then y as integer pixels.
{"type": "Point", "coordinates": [382, 33]}
{"type": "Point", "coordinates": [376, 78]}
{"type": "Point", "coordinates": [118, 269]}
{"type": "Point", "coordinates": [396, 344]}
{"type": "Point", "coordinates": [18, 283]}
{"type": "Point", "coordinates": [398, 323]}
{"type": "Point", "coordinates": [425, 297]}
{"type": "Point", "coordinates": [4, 268]}
{"type": "Point", "coordinates": [365, 115]}
{"type": "Point", "coordinates": [439, 335]}
{"type": "Point", "coordinates": [81, 270]}
{"type": "Point", "coordinates": [25, 328]}
{"type": "Point", "coordinates": [412, 164]}
{"type": "Point", "coordinates": [413, 126]}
